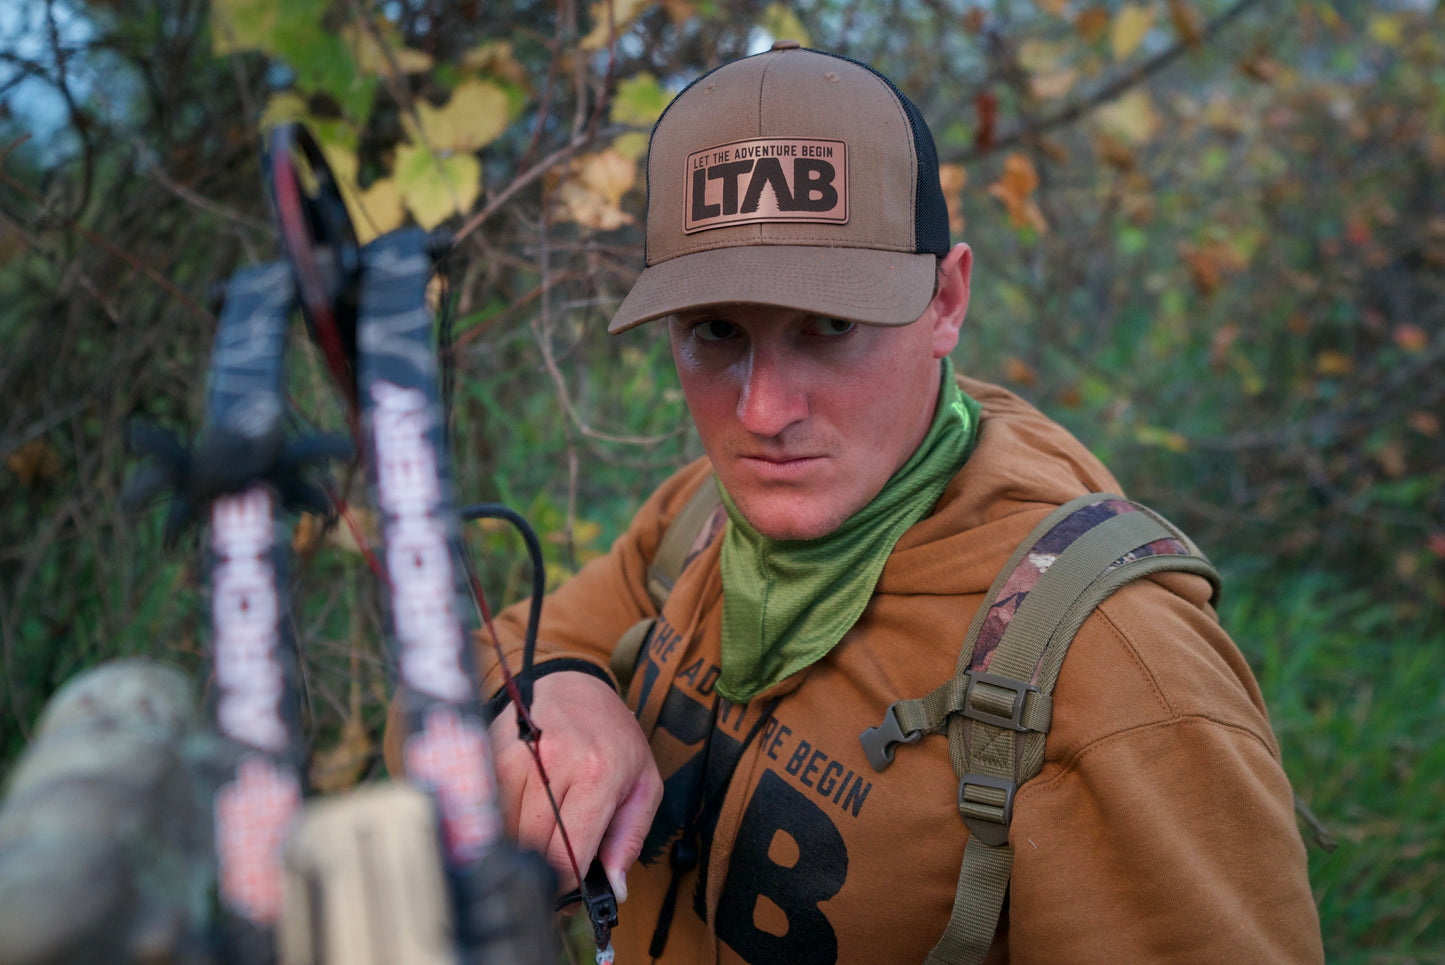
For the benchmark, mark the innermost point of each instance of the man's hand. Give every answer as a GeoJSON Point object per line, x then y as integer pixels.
{"type": "Point", "coordinates": [602, 774]}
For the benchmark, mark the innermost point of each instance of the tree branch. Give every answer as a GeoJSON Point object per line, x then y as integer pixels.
{"type": "Point", "coordinates": [1072, 112]}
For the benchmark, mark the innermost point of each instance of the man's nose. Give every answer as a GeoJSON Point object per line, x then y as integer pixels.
{"type": "Point", "coordinates": [772, 396]}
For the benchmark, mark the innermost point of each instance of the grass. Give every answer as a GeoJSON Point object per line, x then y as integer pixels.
{"type": "Point", "coordinates": [1356, 694]}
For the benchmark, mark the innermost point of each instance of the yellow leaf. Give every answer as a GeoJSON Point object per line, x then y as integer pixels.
{"type": "Point", "coordinates": [342, 161]}
{"type": "Point", "coordinates": [1114, 152]}
{"type": "Point", "coordinates": [1162, 438]}
{"type": "Point", "coordinates": [1387, 29]}
{"type": "Point", "coordinates": [1187, 22]}
{"type": "Point", "coordinates": [1018, 371]}
{"type": "Point", "coordinates": [592, 193]}
{"type": "Point", "coordinates": [1131, 118]}
{"type": "Point", "coordinates": [1131, 24]}
{"type": "Point", "coordinates": [371, 57]}
{"type": "Point", "coordinates": [679, 11]}
{"type": "Point", "coordinates": [557, 574]}
{"type": "Point", "coordinates": [953, 178]}
{"type": "Point", "coordinates": [1049, 73]}
{"type": "Point", "coordinates": [433, 187]}
{"type": "Point", "coordinates": [1210, 261]}
{"type": "Point", "coordinates": [1330, 18]}
{"type": "Point", "coordinates": [1039, 56]}
{"type": "Point", "coordinates": [781, 23]}
{"type": "Point", "coordinates": [35, 462]}
{"type": "Point", "coordinates": [1055, 83]}
{"type": "Point", "coordinates": [632, 145]}
{"type": "Point", "coordinates": [1259, 66]}
{"type": "Point", "coordinates": [1091, 23]}
{"type": "Point", "coordinates": [623, 12]}
{"type": "Point", "coordinates": [339, 767]}
{"type": "Point", "coordinates": [1331, 363]}
{"type": "Point", "coordinates": [283, 108]}
{"type": "Point", "coordinates": [1391, 457]}
{"type": "Point", "coordinates": [1251, 382]}
{"type": "Point", "coordinates": [242, 24]}
{"type": "Point", "coordinates": [474, 116]}
{"type": "Point", "coordinates": [1223, 114]}
{"type": "Point", "coordinates": [307, 535]}
{"type": "Point", "coordinates": [639, 101]}
{"type": "Point", "coordinates": [1014, 188]}
{"type": "Point", "coordinates": [495, 58]}
{"type": "Point", "coordinates": [1055, 7]}
{"type": "Point", "coordinates": [584, 531]}
{"type": "Point", "coordinates": [376, 210]}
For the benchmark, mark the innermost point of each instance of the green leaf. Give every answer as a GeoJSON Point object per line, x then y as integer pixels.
{"type": "Point", "coordinates": [435, 188]}
{"type": "Point", "coordinates": [474, 116]}
{"type": "Point", "coordinates": [639, 100]}
{"type": "Point", "coordinates": [238, 25]}
{"type": "Point", "coordinates": [783, 24]}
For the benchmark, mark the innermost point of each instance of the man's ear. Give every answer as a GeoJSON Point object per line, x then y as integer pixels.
{"type": "Point", "coordinates": [950, 305]}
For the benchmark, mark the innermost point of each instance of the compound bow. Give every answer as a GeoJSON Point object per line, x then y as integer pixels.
{"type": "Point", "coordinates": [282, 882]}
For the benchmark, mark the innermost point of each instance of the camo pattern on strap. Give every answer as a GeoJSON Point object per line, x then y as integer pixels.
{"type": "Point", "coordinates": [1041, 556]}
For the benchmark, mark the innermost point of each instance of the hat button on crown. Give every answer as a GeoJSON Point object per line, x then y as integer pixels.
{"type": "Point", "coordinates": [786, 45]}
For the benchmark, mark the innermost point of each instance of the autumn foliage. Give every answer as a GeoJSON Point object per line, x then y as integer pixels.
{"type": "Point", "coordinates": [1209, 237]}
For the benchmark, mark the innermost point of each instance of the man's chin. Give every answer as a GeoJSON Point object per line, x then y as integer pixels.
{"type": "Point", "coordinates": [786, 519]}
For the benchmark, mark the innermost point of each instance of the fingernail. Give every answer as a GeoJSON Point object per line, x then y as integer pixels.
{"type": "Point", "coordinates": [619, 887]}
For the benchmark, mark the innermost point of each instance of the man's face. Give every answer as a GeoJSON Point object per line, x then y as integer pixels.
{"type": "Point", "coordinates": [805, 418]}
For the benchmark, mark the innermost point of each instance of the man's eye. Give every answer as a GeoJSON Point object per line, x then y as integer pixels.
{"type": "Point", "coordinates": [714, 330]}
{"type": "Point", "coordinates": [833, 326]}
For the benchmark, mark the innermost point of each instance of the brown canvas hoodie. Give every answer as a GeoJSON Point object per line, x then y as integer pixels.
{"type": "Point", "coordinates": [1159, 830]}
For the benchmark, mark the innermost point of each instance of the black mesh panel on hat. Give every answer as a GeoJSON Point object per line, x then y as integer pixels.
{"type": "Point", "coordinates": [930, 211]}
{"type": "Point", "coordinates": [930, 216]}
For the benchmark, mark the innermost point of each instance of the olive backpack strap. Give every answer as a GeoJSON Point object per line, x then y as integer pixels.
{"type": "Point", "coordinates": [666, 566]}
{"type": "Point", "coordinates": [997, 708]}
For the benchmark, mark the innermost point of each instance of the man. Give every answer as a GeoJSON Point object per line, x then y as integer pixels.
{"type": "Point", "coordinates": [797, 248]}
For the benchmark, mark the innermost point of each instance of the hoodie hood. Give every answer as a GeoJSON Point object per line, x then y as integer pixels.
{"type": "Point", "coordinates": [1022, 467]}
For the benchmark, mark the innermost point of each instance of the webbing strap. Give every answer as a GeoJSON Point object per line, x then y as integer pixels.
{"type": "Point", "coordinates": [976, 905]}
{"type": "Point", "coordinates": [1027, 544]}
{"type": "Point", "coordinates": [627, 650]}
{"type": "Point", "coordinates": [1030, 636]}
{"type": "Point", "coordinates": [662, 573]}
{"type": "Point", "coordinates": [929, 715]}
{"type": "Point", "coordinates": [677, 539]}
{"type": "Point", "coordinates": [1032, 628]}
{"type": "Point", "coordinates": [997, 708]}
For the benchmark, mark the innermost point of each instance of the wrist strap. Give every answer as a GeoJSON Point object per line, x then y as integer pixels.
{"type": "Point", "coordinates": [502, 698]}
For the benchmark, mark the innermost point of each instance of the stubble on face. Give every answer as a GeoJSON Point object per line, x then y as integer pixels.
{"type": "Point", "coordinates": [855, 412]}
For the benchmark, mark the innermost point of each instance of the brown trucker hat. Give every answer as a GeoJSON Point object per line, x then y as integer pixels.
{"type": "Point", "coordinates": [794, 178]}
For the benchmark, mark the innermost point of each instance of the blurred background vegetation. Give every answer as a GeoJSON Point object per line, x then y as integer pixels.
{"type": "Point", "coordinates": [1209, 238]}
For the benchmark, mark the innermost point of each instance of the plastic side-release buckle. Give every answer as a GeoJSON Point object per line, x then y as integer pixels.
{"type": "Point", "coordinates": [986, 818]}
{"type": "Point", "coordinates": [879, 742]}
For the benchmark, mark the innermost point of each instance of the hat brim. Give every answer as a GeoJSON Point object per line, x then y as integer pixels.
{"type": "Point", "coordinates": [858, 284]}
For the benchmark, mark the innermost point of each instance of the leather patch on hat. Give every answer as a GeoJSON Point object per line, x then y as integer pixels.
{"type": "Point", "coordinates": [777, 179]}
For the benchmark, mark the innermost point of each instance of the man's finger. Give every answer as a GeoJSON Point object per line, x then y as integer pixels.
{"type": "Point", "coordinates": [622, 843]}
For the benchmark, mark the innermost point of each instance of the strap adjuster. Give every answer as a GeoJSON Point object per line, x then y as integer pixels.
{"type": "Point", "coordinates": [879, 742]}
{"type": "Point", "coordinates": [986, 819]}
{"type": "Point", "coordinates": [1013, 720]}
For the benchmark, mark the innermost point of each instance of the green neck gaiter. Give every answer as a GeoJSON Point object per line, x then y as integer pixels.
{"type": "Point", "coordinates": [786, 603]}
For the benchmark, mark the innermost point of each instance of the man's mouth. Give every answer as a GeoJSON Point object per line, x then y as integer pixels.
{"type": "Point", "coordinates": [779, 466]}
